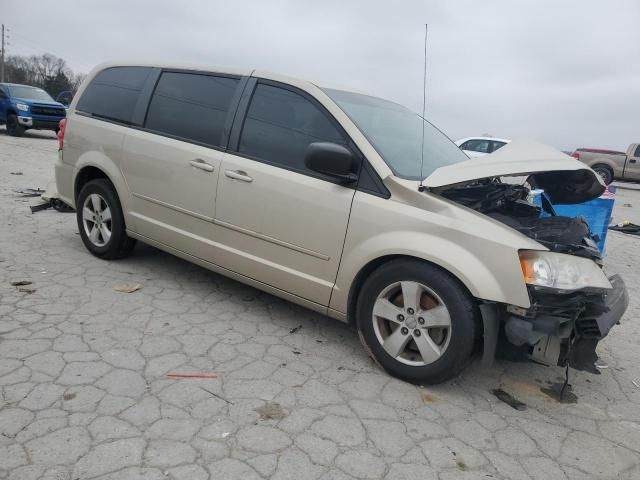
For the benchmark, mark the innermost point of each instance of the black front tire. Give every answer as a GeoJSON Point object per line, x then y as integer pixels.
{"type": "Point", "coordinates": [13, 127]}
{"type": "Point", "coordinates": [120, 244]}
{"type": "Point", "coordinates": [463, 312]}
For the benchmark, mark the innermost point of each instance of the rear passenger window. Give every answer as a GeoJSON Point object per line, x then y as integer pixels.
{"type": "Point", "coordinates": [113, 93]}
{"type": "Point", "coordinates": [191, 106]}
{"type": "Point", "coordinates": [280, 124]}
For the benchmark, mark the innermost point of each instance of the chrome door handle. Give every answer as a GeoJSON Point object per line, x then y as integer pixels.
{"type": "Point", "coordinates": [201, 164]}
{"type": "Point", "coordinates": [238, 175]}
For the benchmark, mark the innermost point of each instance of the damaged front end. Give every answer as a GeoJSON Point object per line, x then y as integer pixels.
{"type": "Point", "coordinates": [561, 328]}
{"type": "Point", "coordinates": [573, 304]}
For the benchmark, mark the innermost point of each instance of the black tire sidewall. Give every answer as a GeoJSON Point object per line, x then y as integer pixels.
{"type": "Point", "coordinates": [603, 168]}
{"type": "Point", "coordinates": [17, 130]}
{"type": "Point", "coordinates": [105, 189]}
{"type": "Point", "coordinates": [462, 309]}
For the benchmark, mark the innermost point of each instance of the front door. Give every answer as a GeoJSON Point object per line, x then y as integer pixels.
{"type": "Point", "coordinates": [172, 165]}
{"type": "Point", "coordinates": [281, 223]}
{"type": "Point", "coordinates": [632, 169]}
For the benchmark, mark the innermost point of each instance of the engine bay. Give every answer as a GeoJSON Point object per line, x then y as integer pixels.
{"type": "Point", "coordinates": [509, 204]}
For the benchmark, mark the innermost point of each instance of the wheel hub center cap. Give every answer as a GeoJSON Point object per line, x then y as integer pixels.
{"type": "Point", "coordinates": [410, 322]}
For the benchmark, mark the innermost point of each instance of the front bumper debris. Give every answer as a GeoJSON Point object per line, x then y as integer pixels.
{"type": "Point", "coordinates": [582, 355]}
{"type": "Point", "coordinates": [557, 329]}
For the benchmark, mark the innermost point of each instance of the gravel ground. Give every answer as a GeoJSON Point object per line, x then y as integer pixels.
{"type": "Point", "coordinates": [85, 392]}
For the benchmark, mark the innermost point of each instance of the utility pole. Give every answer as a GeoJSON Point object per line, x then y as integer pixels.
{"type": "Point", "coordinates": [2, 57]}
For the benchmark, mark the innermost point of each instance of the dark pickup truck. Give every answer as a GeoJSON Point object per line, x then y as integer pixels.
{"type": "Point", "coordinates": [23, 107]}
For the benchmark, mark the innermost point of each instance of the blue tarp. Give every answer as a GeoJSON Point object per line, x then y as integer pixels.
{"type": "Point", "coordinates": [596, 212]}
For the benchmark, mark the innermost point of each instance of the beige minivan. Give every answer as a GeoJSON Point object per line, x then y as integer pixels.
{"type": "Point", "coordinates": [348, 204]}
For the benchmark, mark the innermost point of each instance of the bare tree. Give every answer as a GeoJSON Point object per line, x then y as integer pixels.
{"type": "Point", "coordinates": [45, 71]}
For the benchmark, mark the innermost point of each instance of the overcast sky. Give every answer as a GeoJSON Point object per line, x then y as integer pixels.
{"type": "Point", "coordinates": [565, 73]}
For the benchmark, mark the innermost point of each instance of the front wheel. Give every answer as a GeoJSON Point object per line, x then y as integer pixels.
{"type": "Point", "coordinates": [417, 321]}
{"type": "Point", "coordinates": [101, 222]}
{"type": "Point", "coordinates": [13, 127]}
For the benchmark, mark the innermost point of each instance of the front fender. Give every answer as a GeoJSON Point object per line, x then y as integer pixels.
{"type": "Point", "coordinates": [480, 252]}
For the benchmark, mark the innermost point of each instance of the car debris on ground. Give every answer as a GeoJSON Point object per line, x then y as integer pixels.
{"type": "Point", "coordinates": [127, 288]}
{"type": "Point", "coordinates": [29, 192]}
{"type": "Point", "coordinates": [626, 227]}
{"type": "Point", "coordinates": [49, 197]}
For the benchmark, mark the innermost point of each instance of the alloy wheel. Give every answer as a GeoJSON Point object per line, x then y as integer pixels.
{"type": "Point", "coordinates": [96, 219]}
{"type": "Point", "coordinates": [412, 323]}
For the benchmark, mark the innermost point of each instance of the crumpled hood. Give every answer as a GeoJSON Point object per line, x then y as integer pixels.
{"type": "Point", "coordinates": [563, 178]}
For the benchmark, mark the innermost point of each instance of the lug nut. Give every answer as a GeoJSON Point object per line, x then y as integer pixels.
{"type": "Point", "coordinates": [401, 318]}
{"type": "Point", "coordinates": [421, 320]}
{"type": "Point", "coordinates": [410, 311]}
{"type": "Point", "coordinates": [404, 330]}
{"type": "Point", "coordinates": [416, 332]}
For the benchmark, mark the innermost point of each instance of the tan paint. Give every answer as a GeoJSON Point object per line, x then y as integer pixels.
{"type": "Point", "coordinates": [283, 231]}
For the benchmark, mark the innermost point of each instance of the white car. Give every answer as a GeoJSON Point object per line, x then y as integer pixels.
{"type": "Point", "coordinates": [480, 146]}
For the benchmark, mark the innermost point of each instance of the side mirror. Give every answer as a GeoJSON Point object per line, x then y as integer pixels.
{"type": "Point", "coordinates": [332, 160]}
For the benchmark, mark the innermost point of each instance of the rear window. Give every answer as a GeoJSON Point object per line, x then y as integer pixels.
{"type": "Point", "coordinates": [478, 145]}
{"type": "Point", "coordinates": [113, 93]}
{"type": "Point", "coordinates": [191, 106]}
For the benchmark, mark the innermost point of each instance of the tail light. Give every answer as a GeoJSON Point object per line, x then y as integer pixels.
{"type": "Point", "coordinates": [61, 126]}
{"type": "Point", "coordinates": [576, 155]}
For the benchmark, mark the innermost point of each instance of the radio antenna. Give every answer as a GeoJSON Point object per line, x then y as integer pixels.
{"type": "Point", "coordinates": [421, 187]}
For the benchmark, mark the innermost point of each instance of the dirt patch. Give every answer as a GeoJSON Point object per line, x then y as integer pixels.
{"type": "Point", "coordinates": [271, 411]}
{"type": "Point", "coordinates": [555, 392]}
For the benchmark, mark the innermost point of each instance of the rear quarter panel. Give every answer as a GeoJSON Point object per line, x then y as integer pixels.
{"type": "Point", "coordinates": [95, 143]}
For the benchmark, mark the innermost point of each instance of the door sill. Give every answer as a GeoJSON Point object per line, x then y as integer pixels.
{"type": "Point", "coordinates": [240, 277]}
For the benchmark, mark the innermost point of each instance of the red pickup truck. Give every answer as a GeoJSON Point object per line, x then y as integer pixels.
{"type": "Point", "coordinates": [610, 164]}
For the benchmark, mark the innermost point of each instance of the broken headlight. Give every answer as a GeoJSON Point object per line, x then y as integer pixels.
{"type": "Point", "coordinates": [561, 271]}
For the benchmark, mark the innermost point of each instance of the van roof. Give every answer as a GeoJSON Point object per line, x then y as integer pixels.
{"type": "Point", "coordinates": [220, 69]}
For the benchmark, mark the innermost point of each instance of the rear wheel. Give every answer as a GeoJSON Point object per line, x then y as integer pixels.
{"type": "Point", "coordinates": [101, 222]}
{"type": "Point", "coordinates": [417, 321]}
{"type": "Point", "coordinates": [605, 173]}
{"type": "Point", "coordinates": [13, 127]}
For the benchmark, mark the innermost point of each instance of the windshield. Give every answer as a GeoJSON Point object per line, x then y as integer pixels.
{"type": "Point", "coordinates": [396, 134]}
{"type": "Point", "coordinates": [29, 93]}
